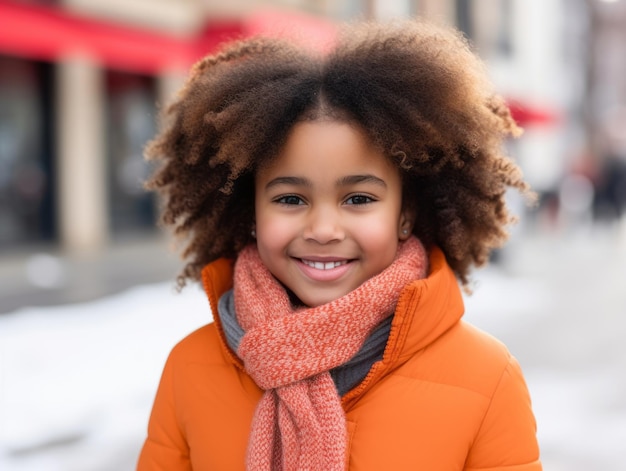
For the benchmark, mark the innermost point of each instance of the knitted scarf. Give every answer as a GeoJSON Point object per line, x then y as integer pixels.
{"type": "Point", "coordinates": [299, 423]}
{"type": "Point", "coordinates": [345, 376]}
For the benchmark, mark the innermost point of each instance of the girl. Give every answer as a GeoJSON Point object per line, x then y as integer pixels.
{"type": "Point", "coordinates": [332, 205]}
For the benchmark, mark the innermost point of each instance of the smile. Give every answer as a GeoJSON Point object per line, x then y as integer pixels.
{"type": "Point", "coordinates": [324, 265]}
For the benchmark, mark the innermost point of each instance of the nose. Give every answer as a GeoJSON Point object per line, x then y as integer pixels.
{"type": "Point", "coordinates": [323, 225]}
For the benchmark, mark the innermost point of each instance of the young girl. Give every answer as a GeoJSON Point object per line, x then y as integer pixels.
{"type": "Point", "coordinates": [333, 205]}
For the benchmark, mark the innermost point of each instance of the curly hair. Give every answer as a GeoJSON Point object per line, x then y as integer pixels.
{"type": "Point", "coordinates": [417, 90]}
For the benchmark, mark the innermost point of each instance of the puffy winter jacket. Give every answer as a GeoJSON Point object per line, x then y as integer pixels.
{"type": "Point", "coordinates": [445, 396]}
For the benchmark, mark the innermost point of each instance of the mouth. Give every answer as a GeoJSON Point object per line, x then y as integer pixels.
{"type": "Point", "coordinates": [326, 269]}
{"type": "Point", "coordinates": [323, 265]}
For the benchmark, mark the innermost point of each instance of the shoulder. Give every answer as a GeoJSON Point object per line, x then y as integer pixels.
{"type": "Point", "coordinates": [479, 355]}
{"type": "Point", "coordinates": [477, 346]}
{"type": "Point", "coordinates": [198, 362]}
{"type": "Point", "coordinates": [202, 345]}
{"type": "Point", "coordinates": [464, 357]}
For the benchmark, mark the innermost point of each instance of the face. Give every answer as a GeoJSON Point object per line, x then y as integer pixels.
{"type": "Point", "coordinates": [328, 211]}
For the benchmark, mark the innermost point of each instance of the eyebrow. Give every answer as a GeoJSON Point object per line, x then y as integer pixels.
{"type": "Point", "coordinates": [343, 181]}
{"type": "Point", "coordinates": [295, 181]}
{"type": "Point", "coordinates": [367, 178]}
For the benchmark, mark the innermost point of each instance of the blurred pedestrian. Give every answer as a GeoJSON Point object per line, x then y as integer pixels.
{"type": "Point", "coordinates": [610, 203]}
{"type": "Point", "coordinates": [333, 204]}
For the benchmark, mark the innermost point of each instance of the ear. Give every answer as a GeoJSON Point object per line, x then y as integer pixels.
{"type": "Point", "coordinates": [405, 225]}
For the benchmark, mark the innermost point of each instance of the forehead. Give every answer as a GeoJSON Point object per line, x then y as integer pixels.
{"type": "Point", "coordinates": [327, 147]}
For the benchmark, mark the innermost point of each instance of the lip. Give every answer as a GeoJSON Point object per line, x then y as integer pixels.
{"type": "Point", "coordinates": [342, 266]}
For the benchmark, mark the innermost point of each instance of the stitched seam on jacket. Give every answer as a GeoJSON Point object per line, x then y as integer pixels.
{"type": "Point", "coordinates": [493, 394]}
{"type": "Point", "coordinates": [441, 383]}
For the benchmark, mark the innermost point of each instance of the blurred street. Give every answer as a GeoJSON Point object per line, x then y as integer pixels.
{"type": "Point", "coordinates": [78, 379]}
{"type": "Point", "coordinates": [47, 278]}
{"type": "Point", "coordinates": [559, 304]}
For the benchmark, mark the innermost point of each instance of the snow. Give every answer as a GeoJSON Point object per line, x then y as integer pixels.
{"type": "Point", "coordinates": [580, 407]}
{"type": "Point", "coordinates": [77, 381]}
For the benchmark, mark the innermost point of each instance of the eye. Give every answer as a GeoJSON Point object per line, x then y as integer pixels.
{"type": "Point", "coordinates": [359, 200]}
{"type": "Point", "coordinates": [290, 200]}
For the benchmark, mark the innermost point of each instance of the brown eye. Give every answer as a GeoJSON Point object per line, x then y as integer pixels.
{"type": "Point", "coordinates": [290, 200]}
{"type": "Point", "coordinates": [359, 200]}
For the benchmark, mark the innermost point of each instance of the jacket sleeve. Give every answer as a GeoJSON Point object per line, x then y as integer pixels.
{"type": "Point", "coordinates": [165, 448]}
{"type": "Point", "coordinates": [506, 440]}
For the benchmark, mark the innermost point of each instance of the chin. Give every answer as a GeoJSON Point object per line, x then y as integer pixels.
{"type": "Point", "coordinates": [320, 300]}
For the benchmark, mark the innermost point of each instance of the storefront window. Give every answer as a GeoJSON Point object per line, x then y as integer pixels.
{"type": "Point", "coordinates": [26, 161]}
{"type": "Point", "coordinates": [489, 24]}
{"type": "Point", "coordinates": [131, 101]}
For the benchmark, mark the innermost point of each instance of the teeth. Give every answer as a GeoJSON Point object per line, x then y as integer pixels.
{"type": "Point", "coordinates": [322, 265]}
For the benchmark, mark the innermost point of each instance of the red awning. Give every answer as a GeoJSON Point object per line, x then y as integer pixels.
{"type": "Point", "coordinates": [51, 34]}
{"type": "Point", "coordinates": [306, 30]}
{"type": "Point", "coordinates": [526, 114]}
{"type": "Point", "coordinates": [44, 33]}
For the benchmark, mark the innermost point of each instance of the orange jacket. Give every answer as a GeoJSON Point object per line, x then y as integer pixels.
{"type": "Point", "coordinates": [445, 396]}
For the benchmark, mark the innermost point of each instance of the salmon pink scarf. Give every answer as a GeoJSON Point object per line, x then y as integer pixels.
{"type": "Point", "coordinates": [299, 423]}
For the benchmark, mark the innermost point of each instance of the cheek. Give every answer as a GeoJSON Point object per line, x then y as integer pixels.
{"type": "Point", "coordinates": [384, 223]}
{"type": "Point", "coordinates": [273, 232]}
{"type": "Point", "coordinates": [380, 238]}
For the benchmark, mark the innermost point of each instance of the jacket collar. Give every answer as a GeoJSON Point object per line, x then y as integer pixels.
{"type": "Point", "coordinates": [217, 278]}
{"type": "Point", "coordinates": [426, 309]}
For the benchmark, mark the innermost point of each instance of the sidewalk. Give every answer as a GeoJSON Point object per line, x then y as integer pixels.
{"type": "Point", "coordinates": [48, 277]}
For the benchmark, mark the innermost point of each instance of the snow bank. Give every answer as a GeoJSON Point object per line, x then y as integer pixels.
{"type": "Point", "coordinates": [77, 381]}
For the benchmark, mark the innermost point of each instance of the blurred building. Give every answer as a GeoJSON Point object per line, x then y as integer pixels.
{"type": "Point", "coordinates": [80, 82]}
{"type": "Point", "coordinates": [78, 85]}
{"type": "Point", "coordinates": [605, 106]}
